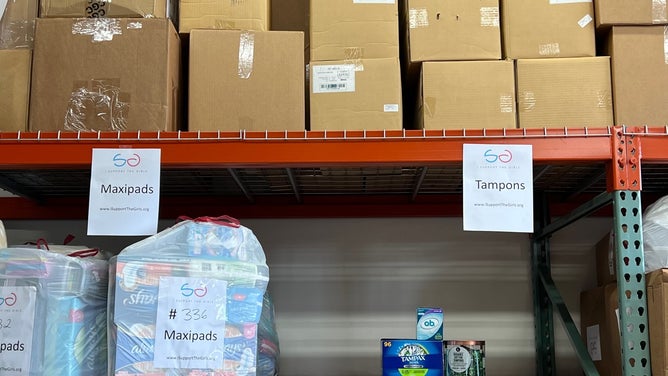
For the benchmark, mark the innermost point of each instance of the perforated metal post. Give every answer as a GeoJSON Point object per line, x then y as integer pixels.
{"type": "Point", "coordinates": [543, 317]}
{"type": "Point", "coordinates": [631, 284]}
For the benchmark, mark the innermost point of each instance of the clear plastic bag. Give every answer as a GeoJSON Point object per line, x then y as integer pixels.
{"type": "Point", "coordinates": [655, 235]}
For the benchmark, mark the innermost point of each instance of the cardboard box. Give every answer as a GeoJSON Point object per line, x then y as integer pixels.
{"type": "Point", "coordinates": [625, 12]}
{"type": "Point", "coordinates": [125, 78]}
{"type": "Point", "coordinates": [352, 30]}
{"type": "Point", "coordinates": [600, 328]}
{"type": "Point", "coordinates": [436, 30]}
{"type": "Point", "coordinates": [264, 90]}
{"type": "Point", "coordinates": [17, 23]}
{"type": "Point", "coordinates": [365, 95]}
{"type": "Point", "coordinates": [104, 8]}
{"type": "Point", "coordinates": [544, 29]}
{"type": "Point", "coordinates": [639, 74]}
{"type": "Point", "coordinates": [14, 89]}
{"type": "Point", "coordinates": [467, 94]}
{"type": "Point", "coordinates": [420, 357]}
{"type": "Point", "coordinates": [224, 14]}
{"type": "Point", "coordinates": [606, 262]}
{"type": "Point", "coordinates": [572, 92]}
{"type": "Point", "coordinates": [657, 311]}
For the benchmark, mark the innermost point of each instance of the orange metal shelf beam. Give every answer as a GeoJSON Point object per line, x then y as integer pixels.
{"type": "Point", "coordinates": [292, 149]}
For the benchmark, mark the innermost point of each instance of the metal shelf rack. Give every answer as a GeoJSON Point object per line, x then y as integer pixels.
{"type": "Point", "coordinates": [577, 172]}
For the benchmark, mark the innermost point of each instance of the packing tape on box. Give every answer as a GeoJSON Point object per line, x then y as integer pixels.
{"type": "Point", "coordinates": [659, 11]}
{"type": "Point", "coordinates": [506, 103]}
{"type": "Point", "coordinates": [97, 8]}
{"type": "Point", "coordinates": [549, 49]}
{"type": "Point", "coordinates": [604, 99]}
{"type": "Point", "coordinates": [97, 105]}
{"type": "Point", "coordinates": [665, 43]}
{"type": "Point", "coordinates": [527, 101]}
{"type": "Point", "coordinates": [101, 29]}
{"type": "Point", "coordinates": [246, 54]}
{"type": "Point", "coordinates": [418, 17]}
{"type": "Point", "coordinates": [353, 56]}
{"type": "Point", "coordinates": [489, 16]}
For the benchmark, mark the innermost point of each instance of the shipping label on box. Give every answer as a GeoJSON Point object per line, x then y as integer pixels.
{"type": "Point", "coordinates": [408, 356]}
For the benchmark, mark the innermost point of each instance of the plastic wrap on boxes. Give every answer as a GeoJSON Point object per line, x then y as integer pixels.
{"type": "Point", "coordinates": [213, 259]}
{"type": "Point", "coordinates": [268, 347]}
{"type": "Point", "coordinates": [655, 235]}
{"type": "Point", "coordinates": [56, 304]}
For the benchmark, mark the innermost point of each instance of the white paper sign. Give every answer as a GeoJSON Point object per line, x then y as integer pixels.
{"type": "Point", "coordinates": [498, 188]}
{"type": "Point", "coordinates": [17, 317]}
{"type": "Point", "coordinates": [190, 323]}
{"type": "Point", "coordinates": [594, 342]}
{"type": "Point", "coordinates": [124, 192]}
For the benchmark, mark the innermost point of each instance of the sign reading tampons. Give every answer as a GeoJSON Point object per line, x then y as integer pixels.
{"type": "Point", "coordinates": [498, 188]}
{"type": "Point", "coordinates": [124, 192]}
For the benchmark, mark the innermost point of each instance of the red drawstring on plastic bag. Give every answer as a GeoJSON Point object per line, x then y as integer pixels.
{"type": "Point", "coordinates": [223, 220]}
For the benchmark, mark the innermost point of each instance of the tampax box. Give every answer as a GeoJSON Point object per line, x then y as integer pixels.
{"type": "Point", "coordinates": [467, 95]}
{"type": "Point", "coordinates": [625, 12]}
{"type": "Point", "coordinates": [639, 58]}
{"type": "Point", "coordinates": [224, 14]}
{"type": "Point", "coordinates": [430, 324]}
{"type": "Point", "coordinates": [17, 23]}
{"type": "Point", "coordinates": [435, 30]}
{"type": "Point", "coordinates": [105, 74]}
{"type": "Point", "coordinates": [564, 92]}
{"type": "Point", "coordinates": [355, 29]}
{"type": "Point", "coordinates": [105, 8]}
{"type": "Point", "coordinates": [548, 28]}
{"type": "Point", "coordinates": [246, 80]}
{"type": "Point", "coordinates": [14, 89]}
{"type": "Point", "coordinates": [657, 310]}
{"type": "Point", "coordinates": [599, 324]}
{"type": "Point", "coordinates": [409, 356]}
{"type": "Point", "coordinates": [365, 95]}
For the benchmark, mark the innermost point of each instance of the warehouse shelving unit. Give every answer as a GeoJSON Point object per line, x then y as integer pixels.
{"type": "Point", "coordinates": [577, 172]}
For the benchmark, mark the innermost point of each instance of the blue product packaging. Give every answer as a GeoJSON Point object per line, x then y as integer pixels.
{"type": "Point", "coordinates": [410, 357]}
{"type": "Point", "coordinates": [430, 324]}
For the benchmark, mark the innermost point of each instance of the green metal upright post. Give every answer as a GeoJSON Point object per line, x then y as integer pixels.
{"type": "Point", "coordinates": [543, 318]}
{"type": "Point", "coordinates": [631, 284]}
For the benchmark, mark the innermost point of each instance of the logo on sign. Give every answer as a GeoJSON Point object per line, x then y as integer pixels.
{"type": "Point", "coordinates": [132, 160]}
{"type": "Point", "coordinates": [198, 292]}
{"type": "Point", "coordinates": [8, 300]}
{"type": "Point", "coordinates": [504, 156]}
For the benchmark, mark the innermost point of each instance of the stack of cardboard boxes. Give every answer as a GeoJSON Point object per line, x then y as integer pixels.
{"type": "Point", "coordinates": [451, 53]}
{"type": "Point", "coordinates": [464, 65]}
{"type": "Point", "coordinates": [599, 313]}
{"type": "Point", "coordinates": [636, 39]}
{"type": "Point", "coordinates": [560, 82]}
{"type": "Point", "coordinates": [355, 77]}
{"type": "Point", "coordinates": [17, 20]}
